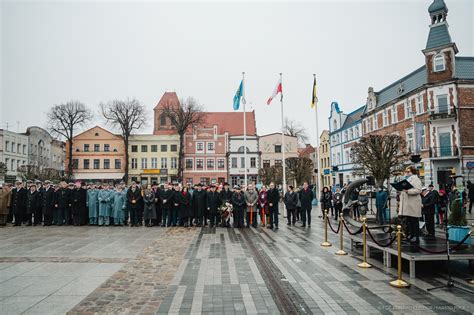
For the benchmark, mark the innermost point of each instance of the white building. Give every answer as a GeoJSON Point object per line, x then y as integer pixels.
{"type": "Point", "coordinates": [13, 152]}
{"type": "Point", "coordinates": [237, 159]}
{"type": "Point", "coordinates": [344, 131]}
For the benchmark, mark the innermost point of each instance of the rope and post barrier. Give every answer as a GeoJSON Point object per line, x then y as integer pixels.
{"type": "Point", "coordinates": [341, 251]}
{"type": "Point", "coordinates": [364, 263]}
{"type": "Point", "coordinates": [326, 243]}
{"type": "Point", "coordinates": [399, 283]}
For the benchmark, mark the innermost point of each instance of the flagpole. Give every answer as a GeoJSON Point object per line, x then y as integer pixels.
{"type": "Point", "coordinates": [283, 138]}
{"type": "Point", "coordinates": [245, 129]}
{"type": "Point", "coordinates": [318, 187]}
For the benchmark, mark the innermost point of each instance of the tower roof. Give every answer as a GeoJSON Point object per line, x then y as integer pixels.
{"type": "Point", "coordinates": [438, 36]}
{"type": "Point", "coordinates": [168, 98]}
{"type": "Point", "coordinates": [437, 5]}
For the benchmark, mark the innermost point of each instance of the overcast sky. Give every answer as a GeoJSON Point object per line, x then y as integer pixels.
{"type": "Point", "coordinates": [53, 52]}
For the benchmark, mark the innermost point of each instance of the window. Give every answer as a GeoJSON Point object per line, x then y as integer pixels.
{"type": "Point", "coordinates": [205, 181]}
{"type": "Point", "coordinates": [407, 109]}
{"type": "Point", "coordinates": [96, 147]}
{"type": "Point", "coordinates": [24, 149]}
{"type": "Point", "coordinates": [106, 164]}
{"type": "Point", "coordinates": [220, 164]}
{"type": "Point", "coordinates": [234, 162]}
{"type": "Point", "coordinates": [394, 114]}
{"type": "Point", "coordinates": [164, 148]}
{"type": "Point", "coordinates": [210, 164]}
{"type": "Point", "coordinates": [278, 163]}
{"type": "Point", "coordinates": [6, 163]}
{"type": "Point", "coordinates": [134, 163]}
{"type": "Point", "coordinates": [409, 140]}
{"type": "Point", "coordinates": [277, 148]}
{"type": "Point", "coordinates": [174, 162]}
{"type": "Point", "coordinates": [163, 120]}
{"type": "Point", "coordinates": [17, 164]}
{"type": "Point", "coordinates": [18, 148]}
{"type": "Point", "coordinates": [189, 180]}
{"type": "Point", "coordinates": [189, 164]}
{"type": "Point", "coordinates": [385, 118]}
{"type": "Point", "coordinates": [242, 162]}
{"type": "Point", "coordinates": [357, 131]}
{"type": "Point", "coordinates": [13, 147]}
{"type": "Point", "coordinates": [210, 146]}
{"type": "Point", "coordinates": [438, 63]}
{"type": "Point", "coordinates": [7, 146]}
{"type": "Point", "coordinates": [144, 148]}
{"type": "Point", "coordinates": [346, 135]}
{"type": "Point", "coordinates": [12, 164]}
{"type": "Point", "coordinates": [144, 163]}
{"type": "Point", "coordinates": [253, 162]}
{"type": "Point", "coordinates": [134, 179]}
{"type": "Point", "coordinates": [338, 158]}
{"type": "Point", "coordinates": [118, 164]}
{"type": "Point", "coordinates": [419, 105]}
{"type": "Point", "coordinates": [199, 164]}
{"type": "Point", "coordinates": [86, 147]}
{"type": "Point", "coordinates": [154, 148]}
{"type": "Point", "coordinates": [106, 147]}
{"type": "Point", "coordinates": [173, 148]}
{"type": "Point", "coordinates": [134, 148]}
{"type": "Point", "coordinates": [422, 145]}
{"type": "Point", "coordinates": [86, 164]}
{"type": "Point", "coordinates": [164, 162]}
{"type": "Point", "coordinates": [266, 163]}
{"type": "Point", "coordinates": [154, 163]}
{"type": "Point", "coordinates": [75, 164]}
{"type": "Point", "coordinates": [96, 164]}
{"type": "Point", "coordinates": [442, 103]}
{"type": "Point", "coordinates": [200, 147]}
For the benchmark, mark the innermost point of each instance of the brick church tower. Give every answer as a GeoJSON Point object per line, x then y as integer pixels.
{"type": "Point", "coordinates": [162, 124]}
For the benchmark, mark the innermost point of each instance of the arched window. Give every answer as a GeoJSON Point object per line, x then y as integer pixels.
{"type": "Point", "coordinates": [163, 120]}
{"type": "Point", "coordinates": [241, 150]}
{"type": "Point", "coordinates": [438, 63]}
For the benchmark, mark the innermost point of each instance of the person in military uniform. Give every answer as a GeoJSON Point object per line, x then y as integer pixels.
{"type": "Point", "coordinates": [93, 204]}
{"type": "Point", "coordinates": [238, 203]}
{"type": "Point", "coordinates": [5, 198]}
{"type": "Point", "coordinates": [33, 213]}
{"type": "Point", "coordinates": [120, 201]}
{"type": "Point", "coordinates": [273, 197]}
{"type": "Point", "coordinates": [134, 196]}
{"type": "Point", "coordinates": [62, 203]}
{"type": "Point", "coordinates": [79, 208]}
{"type": "Point", "coordinates": [47, 203]}
{"type": "Point", "coordinates": [199, 205]}
{"type": "Point", "coordinates": [18, 203]}
{"type": "Point", "coordinates": [68, 212]}
{"type": "Point", "coordinates": [213, 204]}
{"type": "Point", "coordinates": [166, 197]}
{"type": "Point", "coordinates": [105, 198]}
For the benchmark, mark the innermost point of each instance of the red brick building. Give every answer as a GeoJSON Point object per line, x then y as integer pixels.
{"type": "Point", "coordinates": [432, 108]}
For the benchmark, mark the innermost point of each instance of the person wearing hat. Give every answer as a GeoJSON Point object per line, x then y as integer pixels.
{"type": "Point", "coordinates": [251, 198]}
{"type": "Point", "coordinates": [47, 203]}
{"type": "Point", "coordinates": [5, 198]}
{"type": "Point", "coordinates": [92, 203]}
{"type": "Point", "coordinates": [238, 205]}
{"type": "Point", "coordinates": [105, 198]}
{"type": "Point", "coordinates": [18, 203]}
{"type": "Point", "coordinates": [199, 205]}
{"type": "Point", "coordinates": [33, 210]}
{"type": "Point", "coordinates": [79, 204]}
{"type": "Point", "coordinates": [134, 197]}
{"type": "Point", "coordinates": [149, 210]}
{"type": "Point", "coordinates": [62, 203]}
{"type": "Point", "coordinates": [119, 205]}
{"type": "Point", "coordinates": [176, 205]}
{"type": "Point", "coordinates": [158, 208]}
{"type": "Point", "coordinates": [213, 204]}
{"type": "Point", "coordinates": [166, 198]}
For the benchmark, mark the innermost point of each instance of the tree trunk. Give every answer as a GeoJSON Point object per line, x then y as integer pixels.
{"type": "Point", "coordinates": [69, 166]}
{"type": "Point", "coordinates": [180, 157]}
{"type": "Point", "coordinates": [125, 142]}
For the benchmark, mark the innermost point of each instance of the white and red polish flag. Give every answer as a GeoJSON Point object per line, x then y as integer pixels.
{"type": "Point", "coordinates": [278, 89]}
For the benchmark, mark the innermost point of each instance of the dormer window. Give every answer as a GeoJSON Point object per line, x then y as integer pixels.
{"type": "Point", "coordinates": [438, 63]}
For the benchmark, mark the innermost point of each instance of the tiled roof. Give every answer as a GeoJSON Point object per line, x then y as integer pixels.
{"type": "Point", "coordinates": [439, 36]}
{"type": "Point", "coordinates": [406, 85]}
{"type": "Point", "coordinates": [353, 117]}
{"type": "Point", "coordinates": [465, 67]}
{"type": "Point", "coordinates": [306, 151]}
{"type": "Point", "coordinates": [168, 98]}
{"type": "Point", "coordinates": [231, 122]}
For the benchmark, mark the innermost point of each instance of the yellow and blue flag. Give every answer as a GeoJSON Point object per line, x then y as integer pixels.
{"type": "Point", "coordinates": [240, 94]}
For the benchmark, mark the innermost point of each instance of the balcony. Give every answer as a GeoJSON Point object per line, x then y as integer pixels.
{"type": "Point", "coordinates": [442, 112]}
{"type": "Point", "coordinates": [444, 152]}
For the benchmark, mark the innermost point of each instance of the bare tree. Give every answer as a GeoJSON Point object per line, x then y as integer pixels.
{"type": "Point", "coordinates": [299, 169]}
{"type": "Point", "coordinates": [295, 129]}
{"type": "Point", "coordinates": [187, 114]}
{"type": "Point", "coordinates": [128, 116]}
{"type": "Point", "coordinates": [64, 119]}
{"type": "Point", "coordinates": [379, 156]}
{"type": "Point", "coordinates": [3, 170]}
{"type": "Point", "coordinates": [271, 174]}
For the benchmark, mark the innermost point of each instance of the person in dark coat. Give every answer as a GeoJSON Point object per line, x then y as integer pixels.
{"type": "Point", "coordinates": [470, 194]}
{"type": "Point", "coordinates": [273, 198]}
{"type": "Point", "coordinates": [238, 203]}
{"type": "Point", "coordinates": [32, 206]}
{"type": "Point", "coordinates": [185, 206]}
{"type": "Point", "coordinates": [381, 199]}
{"type": "Point", "coordinates": [291, 199]}
{"type": "Point", "coordinates": [213, 204]}
{"type": "Point", "coordinates": [47, 203]}
{"type": "Point", "coordinates": [5, 198]}
{"type": "Point", "coordinates": [62, 202]}
{"type": "Point", "coordinates": [175, 207]}
{"type": "Point", "coordinates": [428, 200]}
{"type": "Point", "coordinates": [158, 208]}
{"type": "Point", "coordinates": [134, 197]}
{"type": "Point", "coordinates": [166, 196]}
{"type": "Point", "coordinates": [337, 201]}
{"type": "Point", "coordinates": [78, 200]}
{"type": "Point", "coordinates": [225, 195]}
{"type": "Point", "coordinates": [326, 199]}
{"type": "Point", "coordinates": [306, 199]}
{"type": "Point", "coordinates": [199, 205]}
{"type": "Point", "coordinates": [18, 203]}
{"type": "Point", "coordinates": [149, 209]}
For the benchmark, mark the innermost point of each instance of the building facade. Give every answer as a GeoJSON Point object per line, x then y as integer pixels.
{"type": "Point", "coordinates": [271, 148]}
{"type": "Point", "coordinates": [309, 152]}
{"type": "Point", "coordinates": [44, 151]}
{"type": "Point", "coordinates": [344, 131]}
{"type": "Point", "coordinates": [237, 159]}
{"type": "Point", "coordinates": [153, 158]}
{"type": "Point", "coordinates": [58, 155]}
{"type": "Point", "coordinates": [98, 155]}
{"type": "Point", "coordinates": [432, 107]}
{"type": "Point", "coordinates": [325, 159]}
{"type": "Point", "coordinates": [13, 152]}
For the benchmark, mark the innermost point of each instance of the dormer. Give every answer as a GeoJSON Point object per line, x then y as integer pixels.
{"type": "Point", "coordinates": [371, 99]}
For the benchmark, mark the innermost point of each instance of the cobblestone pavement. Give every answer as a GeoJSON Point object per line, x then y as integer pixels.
{"type": "Point", "coordinates": [208, 270]}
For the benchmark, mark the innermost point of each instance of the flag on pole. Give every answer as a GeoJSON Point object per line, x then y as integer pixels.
{"type": "Point", "coordinates": [278, 89]}
{"type": "Point", "coordinates": [314, 98]}
{"type": "Point", "coordinates": [240, 94]}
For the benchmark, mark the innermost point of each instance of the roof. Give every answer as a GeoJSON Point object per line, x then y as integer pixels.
{"type": "Point", "coordinates": [437, 5]}
{"type": "Point", "coordinates": [306, 151]}
{"type": "Point", "coordinates": [353, 118]}
{"type": "Point", "coordinates": [168, 98]}
{"type": "Point", "coordinates": [231, 122]}
{"type": "Point", "coordinates": [464, 67]}
{"type": "Point", "coordinates": [438, 36]}
{"type": "Point", "coordinates": [275, 133]}
{"type": "Point", "coordinates": [96, 127]}
{"type": "Point", "coordinates": [406, 85]}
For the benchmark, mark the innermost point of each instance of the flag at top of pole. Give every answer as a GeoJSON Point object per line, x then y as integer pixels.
{"type": "Point", "coordinates": [314, 98]}
{"type": "Point", "coordinates": [240, 94]}
{"type": "Point", "coordinates": [278, 89]}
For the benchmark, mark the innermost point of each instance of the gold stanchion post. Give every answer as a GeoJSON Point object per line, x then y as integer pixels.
{"type": "Point", "coordinates": [326, 243]}
{"type": "Point", "coordinates": [399, 283]}
{"type": "Point", "coordinates": [364, 263]}
{"type": "Point", "coordinates": [341, 229]}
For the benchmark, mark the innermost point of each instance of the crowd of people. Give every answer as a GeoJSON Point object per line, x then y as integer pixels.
{"type": "Point", "coordinates": [35, 203]}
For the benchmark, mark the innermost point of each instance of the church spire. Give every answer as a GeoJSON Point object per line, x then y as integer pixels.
{"type": "Point", "coordinates": [438, 11]}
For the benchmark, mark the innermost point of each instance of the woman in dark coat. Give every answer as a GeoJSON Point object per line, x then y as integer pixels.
{"type": "Point", "coordinates": [326, 199]}
{"type": "Point", "coordinates": [149, 210]}
{"type": "Point", "coordinates": [185, 206]}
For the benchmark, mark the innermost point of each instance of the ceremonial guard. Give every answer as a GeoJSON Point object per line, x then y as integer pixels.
{"type": "Point", "coordinates": [47, 203]}
{"type": "Point", "coordinates": [33, 210]}
{"type": "Point", "coordinates": [18, 203]}
{"type": "Point", "coordinates": [238, 203]}
{"type": "Point", "coordinates": [119, 205]}
{"type": "Point", "coordinates": [134, 196]}
{"type": "Point", "coordinates": [273, 198]}
{"type": "Point", "coordinates": [251, 198]}
{"type": "Point", "coordinates": [213, 203]}
{"type": "Point", "coordinates": [92, 203]}
{"type": "Point", "coordinates": [167, 202]}
{"type": "Point", "coordinates": [79, 200]}
{"type": "Point", "coordinates": [199, 205]}
{"type": "Point", "coordinates": [105, 198]}
{"type": "Point", "coordinates": [62, 203]}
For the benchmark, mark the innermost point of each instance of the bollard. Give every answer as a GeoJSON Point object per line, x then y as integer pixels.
{"type": "Point", "coordinates": [326, 243]}
{"type": "Point", "coordinates": [341, 229]}
{"type": "Point", "coordinates": [399, 283]}
{"type": "Point", "coordinates": [364, 263]}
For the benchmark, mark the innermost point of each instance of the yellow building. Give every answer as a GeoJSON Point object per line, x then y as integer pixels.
{"type": "Point", "coordinates": [324, 159]}
{"type": "Point", "coordinates": [153, 158]}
